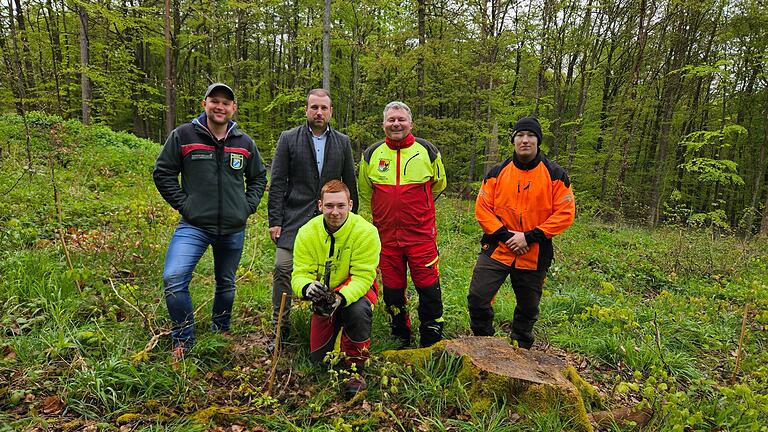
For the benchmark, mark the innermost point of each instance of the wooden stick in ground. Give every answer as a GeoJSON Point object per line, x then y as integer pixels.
{"type": "Point", "coordinates": [60, 230]}
{"type": "Point", "coordinates": [276, 352]}
{"type": "Point", "coordinates": [741, 341]}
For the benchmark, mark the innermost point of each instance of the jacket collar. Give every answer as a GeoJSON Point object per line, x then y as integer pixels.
{"type": "Point", "coordinates": [326, 132]}
{"type": "Point", "coordinates": [343, 229]}
{"type": "Point", "coordinates": [404, 143]}
{"type": "Point", "coordinates": [527, 166]}
{"type": "Point", "coordinates": [202, 122]}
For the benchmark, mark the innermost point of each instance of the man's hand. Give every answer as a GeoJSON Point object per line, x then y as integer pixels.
{"type": "Point", "coordinates": [316, 290]}
{"type": "Point", "coordinates": [274, 233]}
{"type": "Point", "coordinates": [517, 243]}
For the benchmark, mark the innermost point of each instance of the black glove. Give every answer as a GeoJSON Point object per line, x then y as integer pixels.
{"type": "Point", "coordinates": [327, 304]}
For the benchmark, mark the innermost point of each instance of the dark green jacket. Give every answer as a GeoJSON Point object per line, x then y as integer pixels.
{"type": "Point", "coordinates": [222, 181]}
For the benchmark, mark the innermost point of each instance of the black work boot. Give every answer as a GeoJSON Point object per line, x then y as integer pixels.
{"type": "Point", "coordinates": [400, 325]}
{"type": "Point", "coordinates": [401, 330]}
{"type": "Point", "coordinates": [431, 332]}
{"type": "Point", "coordinates": [524, 339]}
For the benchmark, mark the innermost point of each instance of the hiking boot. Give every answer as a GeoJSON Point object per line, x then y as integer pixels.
{"type": "Point", "coordinates": [353, 386]}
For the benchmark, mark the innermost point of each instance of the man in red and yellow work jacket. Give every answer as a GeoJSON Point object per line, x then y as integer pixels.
{"type": "Point", "coordinates": [523, 202]}
{"type": "Point", "coordinates": [400, 178]}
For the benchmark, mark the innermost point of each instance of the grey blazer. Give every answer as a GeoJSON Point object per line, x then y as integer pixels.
{"type": "Point", "coordinates": [295, 184]}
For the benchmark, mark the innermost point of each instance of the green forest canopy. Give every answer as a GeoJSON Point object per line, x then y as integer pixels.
{"type": "Point", "coordinates": [658, 109]}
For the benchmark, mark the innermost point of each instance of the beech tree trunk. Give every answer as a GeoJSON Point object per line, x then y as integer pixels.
{"type": "Point", "coordinates": [56, 56]}
{"type": "Point", "coordinates": [22, 30]}
{"type": "Point", "coordinates": [422, 41]}
{"type": "Point", "coordinates": [86, 91]}
{"type": "Point", "coordinates": [170, 84]}
{"type": "Point", "coordinates": [327, 45]}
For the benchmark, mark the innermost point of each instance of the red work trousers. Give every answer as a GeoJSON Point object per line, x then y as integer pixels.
{"type": "Point", "coordinates": [354, 321]}
{"type": "Point", "coordinates": [422, 260]}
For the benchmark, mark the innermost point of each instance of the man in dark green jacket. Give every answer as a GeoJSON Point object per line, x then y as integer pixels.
{"type": "Point", "coordinates": [222, 181]}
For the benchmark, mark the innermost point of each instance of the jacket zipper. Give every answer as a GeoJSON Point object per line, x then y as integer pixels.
{"type": "Point", "coordinates": [397, 177]}
{"type": "Point", "coordinates": [333, 245]}
{"type": "Point", "coordinates": [219, 145]}
{"type": "Point", "coordinates": [219, 157]}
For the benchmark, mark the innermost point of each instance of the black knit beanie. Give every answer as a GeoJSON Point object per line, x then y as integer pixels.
{"type": "Point", "coordinates": [528, 124]}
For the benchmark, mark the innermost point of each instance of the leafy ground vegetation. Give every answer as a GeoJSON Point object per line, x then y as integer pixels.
{"type": "Point", "coordinates": [648, 317]}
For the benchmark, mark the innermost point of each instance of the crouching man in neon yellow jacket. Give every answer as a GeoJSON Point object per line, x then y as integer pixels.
{"type": "Point", "coordinates": [347, 246]}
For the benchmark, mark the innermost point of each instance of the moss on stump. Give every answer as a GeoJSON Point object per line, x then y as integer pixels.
{"type": "Point", "coordinates": [493, 369]}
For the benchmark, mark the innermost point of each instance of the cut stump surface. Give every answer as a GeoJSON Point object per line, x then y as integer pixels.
{"type": "Point", "coordinates": [493, 369]}
{"type": "Point", "coordinates": [496, 356]}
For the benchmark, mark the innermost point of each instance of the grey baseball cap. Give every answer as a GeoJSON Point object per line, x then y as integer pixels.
{"type": "Point", "coordinates": [220, 86]}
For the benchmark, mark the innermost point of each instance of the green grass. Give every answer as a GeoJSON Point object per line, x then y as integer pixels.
{"type": "Point", "coordinates": [656, 315]}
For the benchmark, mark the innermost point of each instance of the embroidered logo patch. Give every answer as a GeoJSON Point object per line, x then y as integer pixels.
{"type": "Point", "coordinates": [383, 165]}
{"type": "Point", "coordinates": [236, 161]}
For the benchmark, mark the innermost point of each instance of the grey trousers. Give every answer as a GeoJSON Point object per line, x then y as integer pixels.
{"type": "Point", "coordinates": [281, 283]}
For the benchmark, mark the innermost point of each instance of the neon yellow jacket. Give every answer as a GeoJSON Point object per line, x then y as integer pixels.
{"type": "Point", "coordinates": [400, 182]}
{"type": "Point", "coordinates": [353, 250]}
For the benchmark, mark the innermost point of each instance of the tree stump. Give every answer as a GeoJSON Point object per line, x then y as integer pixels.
{"type": "Point", "coordinates": [493, 369]}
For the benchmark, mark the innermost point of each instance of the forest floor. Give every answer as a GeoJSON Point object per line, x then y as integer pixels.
{"type": "Point", "coordinates": [648, 317]}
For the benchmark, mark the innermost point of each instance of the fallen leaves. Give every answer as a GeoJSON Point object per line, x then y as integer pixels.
{"type": "Point", "coordinates": [7, 353]}
{"type": "Point", "coordinates": [52, 405]}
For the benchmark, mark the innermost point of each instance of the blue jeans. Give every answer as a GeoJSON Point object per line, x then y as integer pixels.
{"type": "Point", "coordinates": [187, 246]}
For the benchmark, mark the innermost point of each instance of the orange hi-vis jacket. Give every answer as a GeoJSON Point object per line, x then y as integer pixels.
{"type": "Point", "coordinates": [535, 198]}
{"type": "Point", "coordinates": [400, 181]}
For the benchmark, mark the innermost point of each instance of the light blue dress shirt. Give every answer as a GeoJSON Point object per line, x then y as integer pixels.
{"type": "Point", "coordinates": [319, 142]}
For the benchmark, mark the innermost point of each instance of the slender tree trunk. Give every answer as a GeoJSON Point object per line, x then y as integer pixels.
{"type": "Point", "coordinates": [327, 45]}
{"type": "Point", "coordinates": [22, 30]}
{"type": "Point", "coordinates": [518, 59]}
{"type": "Point", "coordinates": [492, 150]}
{"type": "Point", "coordinates": [421, 67]}
{"type": "Point", "coordinates": [670, 90]}
{"type": "Point", "coordinates": [632, 105]}
{"type": "Point", "coordinates": [68, 53]}
{"type": "Point", "coordinates": [19, 91]}
{"type": "Point", "coordinates": [86, 91]}
{"type": "Point", "coordinates": [477, 122]}
{"type": "Point", "coordinates": [607, 96]}
{"type": "Point", "coordinates": [170, 82]}
{"type": "Point", "coordinates": [540, 77]}
{"type": "Point", "coordinates": [760, 175]}
{"type": "Point", "coordinates": [609, 158]}
{"type": "Point", "coordinates": [764, 224]}
{"type": "Point", "coordinates": [584, 82]}
{"type": "Point", "coordinates": [56, 57]}
{"type": "Point", "coordinates": [240, 42]}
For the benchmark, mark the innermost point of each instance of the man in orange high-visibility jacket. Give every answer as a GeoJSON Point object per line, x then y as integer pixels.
{"type": "Point", "coordinates": [400, 178]}
{"type": "Point", "coordinates": [523, 202]}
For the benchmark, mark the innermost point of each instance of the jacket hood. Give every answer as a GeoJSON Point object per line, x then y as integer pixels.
{"type": "Point", "coordinates": [202, 121]}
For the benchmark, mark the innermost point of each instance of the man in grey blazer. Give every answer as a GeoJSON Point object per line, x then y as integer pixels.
{"type": "Point", "coordinates": [306, 158]}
